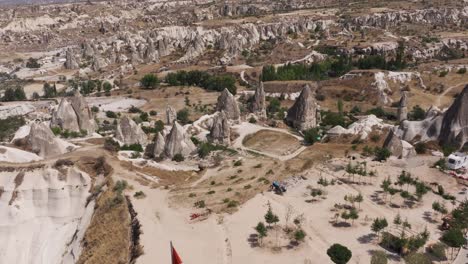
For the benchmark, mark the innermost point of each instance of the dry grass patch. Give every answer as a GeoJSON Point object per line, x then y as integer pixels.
{"type": "Point", "coordinates": [107, 239]}
{"type": "Point", "coordinates": [272, 142]}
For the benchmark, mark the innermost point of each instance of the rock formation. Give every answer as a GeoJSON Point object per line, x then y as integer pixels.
{"type": "Point", "coordinates": [65, 117]}
{"type": "Point", "coordinates": [178, 142]}
{"type": "Point", "coordinates": [42, 204]}
{"type": "Point", "coordinates": [171, 115]}
{"type": "Point", "coordinates": [158, 145]}
{"type": "Point", "coordinates": [70, 62]}
{"type": "Point", "coordinates": [227, 103]}
{"type": "Point", "coordinates": [42, 141]}
{"type": "Point", "coordinates": [220, 132]}
{"type": "Point", "coordinates": [454, 129]}
{"type": "Point", "coordinates": [74, 114]}
{"type": "Point", "coordinates": [399, 148]}
{"type": "Point", "coordinates": [303, 114]}
{"type": "Point", "coordinates": [403, 107]}
{"type": "Point", "coordinates": [128, 132]}
{"type": "Point", "coordinates": [258, 105]}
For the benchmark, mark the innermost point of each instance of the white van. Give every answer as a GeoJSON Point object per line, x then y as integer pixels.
{"type": "Point", "coordinates": [457, 161]}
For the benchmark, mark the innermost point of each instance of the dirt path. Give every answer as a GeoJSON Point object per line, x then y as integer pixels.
{"type": "Point", "coordinates": [439, 98]}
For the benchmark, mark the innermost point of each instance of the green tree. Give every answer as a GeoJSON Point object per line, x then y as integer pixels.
{"type": "Point", "coordinates": [339, 254]}
{"type": "Point", "coordinates": [453, 238]}
{"type": "Point", "coordinates": [299, 235]}
{"type": "Point", "coordinates": [382, 154]}
{"type": "Point", "coordinates": [378, 225]}
{"type": "Point", "coordinates": [183, 116]}
{"type": "Point", "coordinates": [158, 126]}
{"type": "Point", "coordinates": [149, 81]}
{"type": "Point", "coordinates": [261, 231]}
{"type": "Point", "coordinates": [270, 217]}
{"type": "Point", "coordinates": [107, 87]}
{"type": "Point", "coordinates": [49, 90]}
{"type": "Point", "coordinates": [312, 135]}
{"type": "Point", "coordinates": [144, 116]}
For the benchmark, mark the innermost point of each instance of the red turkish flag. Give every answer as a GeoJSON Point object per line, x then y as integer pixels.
{"type": "Point", "coordinates": [175, 256]}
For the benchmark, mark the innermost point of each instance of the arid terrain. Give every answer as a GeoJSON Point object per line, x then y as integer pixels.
{"type": "Point", "coordinates": [231, 132]}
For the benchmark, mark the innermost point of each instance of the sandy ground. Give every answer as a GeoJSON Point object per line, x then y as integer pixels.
{"type": "Point", "coordinates": [224, 238]}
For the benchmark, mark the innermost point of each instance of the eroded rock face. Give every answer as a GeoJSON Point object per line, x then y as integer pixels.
{"type": "Point", "coordinates": [227, 103]}
{"type": "Point", "coordinates": [65, 117]}
{"type": "Point", "coordinates": [71, 63]}
{"type": "Point", "coordinates": [303, 114]}
{"type": "Point", "coordinates": [47, 207]}
{"type": "Point", "coordinates": [403, 107]}
{"type": "Point", "coordinates": [83, 113]}
{"type": "Point", "coordinates": [258, 106]}
{"type": "Point", "coordinates": [74, 114]}
{"type": "Point", "coordinates": [220, 132]}
{"type": "Point", "coordinates": [399, 148]}
{"type": "Point", "coordinates": [178, 142]}
{"type": "Point", "coordinates": [171, 115]}
{"type": "Point", "coordinates": [393, 143]}
{"type": "Point", "coordinates": [159, 145]}
{"type": "Point", "coordinates": [42, 141]}
{"type": "Point", "coordinates": [128, 132]}
{"type": "Point", "coordinates": [454, 129]}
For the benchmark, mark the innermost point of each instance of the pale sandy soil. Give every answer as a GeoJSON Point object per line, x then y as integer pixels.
{"type": "Point", "coordinates": [225, 238]}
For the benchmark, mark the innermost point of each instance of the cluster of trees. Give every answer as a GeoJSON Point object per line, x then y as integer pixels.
{"type": "Point", "coordinates": [272, 219]}
{"type": "Point", "coordinates": [14, 94]}
{"type": "Point", "coordinates": [336, 65]}
{"type": "Point", "coordinates": [202, 79]}
{"type": "Point", "coordinates": [420, 189]}
{"type": "Point", "coordinates": [67, 133]}
{"type": "Point", "coordinates": [332, 67]}
{"type": "Point", "coordinates": [9, 126]}
{"type": "Point", "coordinates": [380, 62]}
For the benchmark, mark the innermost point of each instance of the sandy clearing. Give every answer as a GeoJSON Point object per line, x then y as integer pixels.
{"type": "Point", "coordinates": [115, 104]}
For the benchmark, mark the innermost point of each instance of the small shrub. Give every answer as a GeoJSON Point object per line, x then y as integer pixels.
{"type": "Point", "coordinates": [199, 204]}
{"type": "Point", "coordinates": [111, 114]}
{"type": "Point", "coordinates": [232, 204]}
{"type": "Point", "coordinates": [133, 147]}
{"type": "Point", "coordinates": [139, 195]}
{"type": "Point", "coordinates": [238, 163]}
{"type": "Point", "coordinates": [191, 195]}
{"type": "Point", "coordinates": [461, 70]}
{"type": "Point", "coordinates": [120, 186]}
{"type": "Point", "coordinates": [178, 157]}
{"type": "Point", "coordinates": [211, 192]}
{"type": "Point", "coordinates": [420, 148]}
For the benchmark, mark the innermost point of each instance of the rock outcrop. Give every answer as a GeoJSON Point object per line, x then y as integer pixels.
{"type": "Point", "coordinates": [227, 103]}
{"type": "Point", "coordinates": [74, 114]}
{"type": "Point", "coordinates": [220, 132]}
{"type": "Point", "coordinates": [65, 117]}
{"type": "Point", "coordinates": [454, 129]}
{"type": "Point", "coordinates": [45, 213]}
{"type": "Point", "coordinates": [399, 148]}
{"type": "Point", "coordinates": [171, 115]}
{"type": "Point", "coordinates": [70, 61]}
{"type": "Point", "coordinates": [303, 114]}
{"type": "Point", "coordinates": [158, 145]}
{"type": "Point", "coordinates": [178, 142]}
{"type": "Point", "coordinates": [258, 105]}
{"type": "Point", "coordinates": [128, 132]}
{"type": "Point", "coordinates": [83, 113]}
{"type": "Point", "coordinates": [403, 107]}
{"type": "Point", "coordinates": [42, 141]}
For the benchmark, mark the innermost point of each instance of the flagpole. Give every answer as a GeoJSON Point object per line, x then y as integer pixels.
{"type": "Point", "coordinates": [172, 254]}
